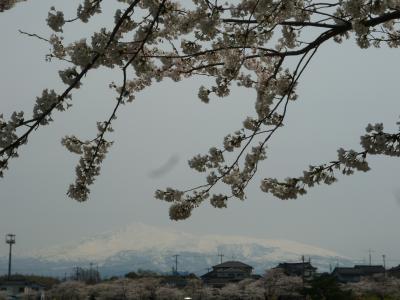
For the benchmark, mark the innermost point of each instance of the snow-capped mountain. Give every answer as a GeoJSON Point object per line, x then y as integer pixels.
{"type": "Point", "coordinates": [140, 246]}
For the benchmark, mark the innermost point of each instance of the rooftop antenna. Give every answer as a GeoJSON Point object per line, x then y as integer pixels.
{"type": "Point", "coordinates": [10, 239]}
{"type": "Point", "coordinates": [220, 256]}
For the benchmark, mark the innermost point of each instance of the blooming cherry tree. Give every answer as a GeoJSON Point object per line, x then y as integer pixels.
{"type": "Point", "coordinates": [246, 43]}
{"type": "Point", "coordinates": [276, 282]}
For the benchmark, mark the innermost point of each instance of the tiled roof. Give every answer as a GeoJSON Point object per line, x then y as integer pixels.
{"type": "Point", "coordinates": [209, 275]}
{"type": "Point", "coordinates": [19, 283]}
{"type": "Point", "coordinates": [360, 270]}
{"type": "Point", "coordinates": [232, 264]}
{"type": "Point", "coordinates": [347, 271]}
{"type": "Point", "coordinates": [296, 266]}
{"type": "Point", "coordinates": [395, 269]}
{"type": "Point", "coordinates": [369, 270]}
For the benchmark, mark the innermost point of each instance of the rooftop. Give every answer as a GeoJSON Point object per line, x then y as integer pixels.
{"type": "Point", "coordinates": [296, 265]}
{"type": "Point", "coordinates": [347, 271]}
{"type": "Point", "coordinates": [232, 264]}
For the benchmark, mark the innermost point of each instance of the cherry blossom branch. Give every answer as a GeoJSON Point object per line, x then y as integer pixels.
{"type": "Point", "coordinates": [36, 122]}
{"type": "Point", "coordinates": [89, 165]}
{"type": "Point", "coordinates": [375, 142]}
{"type": "Point", "coordinates": [230, 43]}
{"type": "Point", "coordinates": [182, 206]}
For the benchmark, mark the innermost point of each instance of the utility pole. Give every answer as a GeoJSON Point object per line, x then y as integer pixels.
{"type": "Point", "coordinates": [303, 271]}
{"type": "Point", "coordinates": [221, 256]}
{"type": "Point", "coordinates": [91, 272]}
{"type": "Point", "coordinates": [370, 256]}
{"type": "Point", "coordinates": [77, 277]}
{"type": "Point", "coordinates": [176, 262]}
{"type": "Point", "coordinates": [384, 262]}
{"type": "Point", "coordinates": [10, 239]}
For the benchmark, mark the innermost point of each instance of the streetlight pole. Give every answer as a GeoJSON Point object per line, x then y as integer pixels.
{"type": "Point", "coordinates": [10, 239]}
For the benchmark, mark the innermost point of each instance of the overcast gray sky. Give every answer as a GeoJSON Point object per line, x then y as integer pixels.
{"type": "Point", "coordinates": [343, 90]}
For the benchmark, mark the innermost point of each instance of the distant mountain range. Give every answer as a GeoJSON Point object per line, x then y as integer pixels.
{"type": "Point", "coordinates": [140, 246]}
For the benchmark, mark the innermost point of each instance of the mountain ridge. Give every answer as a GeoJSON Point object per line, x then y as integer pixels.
{"type": "Point", "coordinates": [141, 246]}
{"type": "Point", "coordinates": [141, 237]}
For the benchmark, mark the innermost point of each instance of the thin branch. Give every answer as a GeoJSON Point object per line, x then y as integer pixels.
{"type": "Point", "coordinates": [286, 23]}
{"type": "Point", "coordinates": [61, 98]}
{"type": "Point", "coordinates": [123, 88]}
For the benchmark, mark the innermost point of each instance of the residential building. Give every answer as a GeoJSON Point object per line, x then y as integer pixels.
{"type": "Point", "coordinates": [354, 274]}
{"type": "Point", "coordinates": [20, 289]}
{"type": "Point", "coordinates": [369, 270]}
{"type": "Point", "coordinates": [227, 272]}
{"type": "Point", "coordinates": [395, 271]}
{"type": "Point", "coordinates": [303, 269]}
{"type": "Point", "coordinates": [347, 274]}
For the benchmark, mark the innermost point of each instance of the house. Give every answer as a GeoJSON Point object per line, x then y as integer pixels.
{"type": "Point", "coordinates": [347, 274]}
{"type": "Point", "coordinates": [394, 272]}
{"type": "Point", "coordinates": [304, 269]}
{"type": "Point", "coordinates": [354, 274]}
{"type": "Point", "coordinates": [227, 272]}
{"type": "Point", "coordinates": [19, 289]}
{"type": "Point", "coordinates": [369, 270]}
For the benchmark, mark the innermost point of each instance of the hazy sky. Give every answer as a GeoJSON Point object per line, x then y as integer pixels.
{"type": "Point", "coordinates": [343, 90]}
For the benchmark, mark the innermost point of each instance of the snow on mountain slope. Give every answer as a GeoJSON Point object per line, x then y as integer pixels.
{"type": "Point", "coordinates": [140, 246]}
{"type": "Point", "coordinates": [139, 237]}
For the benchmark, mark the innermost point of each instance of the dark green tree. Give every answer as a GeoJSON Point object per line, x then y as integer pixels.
{"type": "Point", "coordinates": [326, 287]}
